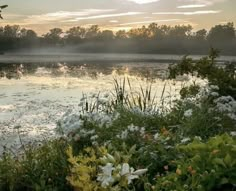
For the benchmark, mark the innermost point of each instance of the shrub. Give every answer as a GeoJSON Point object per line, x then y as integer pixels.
{"type": "Point", "coordinates": [42, 168]}
{"type": "Point", "coordinates": [202, 166]}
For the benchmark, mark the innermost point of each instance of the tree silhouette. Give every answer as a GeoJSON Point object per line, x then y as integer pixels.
{"type": "Point", "coordinates": [54, 36]}
{"type": "Point", "coordinates": [201, 35]}
{"type": "Point", "coordinates": [222, 33]}
{"type": "Point", "coordinates": [75, 34]}
{"type": "Point", "coordinates": [179, 39]}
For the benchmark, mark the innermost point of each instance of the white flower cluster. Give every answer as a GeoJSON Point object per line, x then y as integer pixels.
{"type": "Point", "coordinates": [111, 172]}
{"type": "Point", "coordinates": [185, 140]}
{"type": "Point", "coordinates": [70, 123]}
{"type": "Point", "coordinates": [188, 113]}
{"type": "Point", "coordinates": [204, 93]}
{"type": "Point", "coordinates": [131, 129]}
{"type": "Point", "coordinates": [101, 118]}
{"type": "Point", "coordinates": [226, 105]}
{"type": "Point", "coordinates": [208, 90]}
{"type": "Point", "coordinates": [149, 111]}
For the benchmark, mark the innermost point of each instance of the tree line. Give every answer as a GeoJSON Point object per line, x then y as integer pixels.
{"type": "Point", "coordinates": [179, 39]}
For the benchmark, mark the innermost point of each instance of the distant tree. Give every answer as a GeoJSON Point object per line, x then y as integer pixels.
{"type": "Point", "coordinates": [201, 34]}
{"type": "Point", "coordinates": [121, 34]}
{"type": "Point", "coordinates": [139, 33]}
{"type": "Point", "coordinates": [22, 33]}
{"type": "Point", "coordinates": [30, 34]}
{"type": "Point", "coordinates": [75, 34]}
{"type": "Point", "coordinates": [153, 28]}
{"type": "Point", "coordinates": [11, 31]}
{"type": "Point", "coordinates": [54, 36]}
{"type": "Point", "coordinates": [159, 32]}
{"type": "Point", "coordinates": [180, 32]}
{"type": "Point", "coordinates": [106, 35]}
{"type": "Point", "coordinates": [92, 32]}
{"type": "Point", "coordinates": [29, 37]}
{"type": "Point", "coordinates": [222, 34]}
{"type": "Point", "coordinates": [1, 31]}
{"type": "Point", "coordinates": [154, 38]}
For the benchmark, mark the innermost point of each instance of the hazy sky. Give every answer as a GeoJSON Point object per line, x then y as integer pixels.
{"type": "Point", "coordinates": [41, 15]}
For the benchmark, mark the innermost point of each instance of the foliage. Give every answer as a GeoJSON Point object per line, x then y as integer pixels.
{"type": "Point", "coordinates": [98, 170]}
{"type": "Point", "coordinates": [202, 166]}
{"type": "Point", "coordinates": [223, 77]}
{"type": "Point", "coordinates": [42, 168]}
{"type": "Point", "coordinates": [189, 91]}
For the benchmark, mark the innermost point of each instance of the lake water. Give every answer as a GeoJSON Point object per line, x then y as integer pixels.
{"type": "Point", "coordinates": [37, 90]}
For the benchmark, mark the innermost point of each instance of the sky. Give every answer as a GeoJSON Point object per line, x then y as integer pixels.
{"type": "Point", "coordinates": [42, 15]}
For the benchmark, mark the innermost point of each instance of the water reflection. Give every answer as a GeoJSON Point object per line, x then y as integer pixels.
{"type": "Point", "coordinates": [91, 69]}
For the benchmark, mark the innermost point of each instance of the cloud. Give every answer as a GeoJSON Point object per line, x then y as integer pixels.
{"type": "Point", "coordinates": [203, 2]}
{"type": "Point", "coordinates": [113, 21]}
{"type": "Point", "coordinates": [189, 13]}
{"type": "Point", "coordinates": [144, 1]}
{"type": "Point", "coordinates": [191, 6]}
{"type": "Point", "coordinates": [108, 16]}
{"type": "Point", "coordinates": [63, 15]}
{"type": "Point", "coordinates": [66, 16]}
{"type": "Point", "coordinates": [148, 22]}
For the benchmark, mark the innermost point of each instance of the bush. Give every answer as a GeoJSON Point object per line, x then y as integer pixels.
{"type": "Point", "coordinates": [202, 166]}
{"type": "Point", "coordinates": [42, 168]}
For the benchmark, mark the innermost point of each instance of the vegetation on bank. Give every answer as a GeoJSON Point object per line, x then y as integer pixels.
{"type": "Point", "coordinates": [162, 39]}
{"type": "Point", "coordinates": [126, 142]}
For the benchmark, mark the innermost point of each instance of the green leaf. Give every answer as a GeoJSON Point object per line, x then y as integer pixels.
{"type": "Point", "coordinates": [132, 149]}
{"type": "Point", "coordinates": [224, 181]}
{"type": "Point", "coordinates": [228, 160]}
{"type": "Point", "coordinates": [219, 161]}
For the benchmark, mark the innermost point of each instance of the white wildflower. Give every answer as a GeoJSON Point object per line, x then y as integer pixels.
{"type": "Point", "coordinates": [142, 131]}
{"type": "Point", "coordinates": [214, 87]}
{"type": "Point", "coordinates": [214, 94]}
{"type": "Point", "coordinates": [140, 172]}
{"type": "Point", "coordinates": [125, 169]}
{"type": "Point", "coordinates": [131, 128]}
{"type": "Point", "coordinates": [156, 136]}
{"type": "Point", "coordinates": [124, 134]}
{"type": "Point", "coordinates": [95, 143]}
{"type": "Point", "coordinates": [131, 176]}
{"type": "Point", "coordinates": [185, 140]}
{"type": "Point", "coordinates": [93, 138]}
{"type": "Point", "coordinates": [188, 113]}
{"type": "Point", "coordinates": [128, 172]}
{"type": "Point", "coordinates": [106, 176]}
{"type": "Point", "coordinates": [233, 133]}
